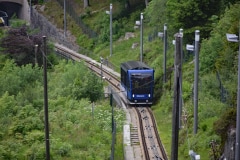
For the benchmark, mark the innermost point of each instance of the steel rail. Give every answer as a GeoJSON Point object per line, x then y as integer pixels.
{"type": "Point", "coordinates": [92, 64]}
{"type": "Point", "coordinates": [145, 148]}
{"type": "Point", "coordinates": [164, 155]}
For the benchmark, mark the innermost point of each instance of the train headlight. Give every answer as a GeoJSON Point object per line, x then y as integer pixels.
{"type": "Point", "coordinates": [149, 95]}
{"type": "Point", "coordinates": [133, 95]}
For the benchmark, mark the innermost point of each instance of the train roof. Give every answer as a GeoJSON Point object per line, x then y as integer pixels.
{"type": "Point", "coordinates": [134, 65]}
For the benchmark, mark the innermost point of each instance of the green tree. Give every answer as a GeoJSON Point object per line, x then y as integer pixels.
{"type": "Point", "coordinates": [156, 13]}
{"type": "Point", "coordinates": [191, 15]}
{"type": "Point", "coordinates": [216, 53]}
{"type": "Point", "coordinates": [75, 81]}
{"type": "Point", "coordinates": [14, 79]}
{"type": "Point", "coordinates": [94, 87]}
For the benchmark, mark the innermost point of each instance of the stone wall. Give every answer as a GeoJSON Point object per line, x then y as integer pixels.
{"type": "Point", "coordinates": [40, 22]}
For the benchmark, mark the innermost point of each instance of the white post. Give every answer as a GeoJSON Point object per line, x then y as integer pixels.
{"type": "Point", "coordinates": [141, 38]}
{"type": "Point", "coordinates": [110, 29]}
{"type": "Point", "coordinates": [196, 49]}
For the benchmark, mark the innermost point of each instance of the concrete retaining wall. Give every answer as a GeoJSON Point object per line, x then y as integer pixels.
{"type": "Point", "coordinates": [25, 11]}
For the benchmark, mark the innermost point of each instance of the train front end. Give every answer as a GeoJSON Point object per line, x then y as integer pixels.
{"type": "Point", "coordinates": [141, 86]}
{"type": "Point", "coordinates": [137, 82]}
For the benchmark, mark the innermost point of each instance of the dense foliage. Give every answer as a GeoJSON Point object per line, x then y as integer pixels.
{"type": "Point", "coordinates": [187, 14]}
{"type": "Point", "coordinates": [219, 55]}
{"type": "Point", "coordinates": [76, 130]}
{"type": "Point", "coordinates": [218, 69]}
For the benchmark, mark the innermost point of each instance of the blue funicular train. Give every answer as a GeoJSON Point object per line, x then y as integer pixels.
{"type": "Point", "coordinates": [137, 82]}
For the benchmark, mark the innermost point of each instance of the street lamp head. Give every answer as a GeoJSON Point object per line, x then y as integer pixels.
{"type": "Point", "coordinates": [160, 34]}
{"type": "Point", "coordinates": [141, 16]}
{"type": "Point", "coordinates": [111, 6]}
{"type": "Point", "coordinates": [138, 23]}
{"type": "Point", "coordinates": [197, 36]}
{"type": "Point", "coordinates": [190, 47]}
{"type": "Point", "coordinates": [165, 26]}
{"type": "Point", "coordinates": [181, 32]}
{"type": "Point", "coordinates": [36, 47]}
{"type": "Point", "coordinates": [232, 37]}
{"type": "Point", "coordinates": [173, 42]}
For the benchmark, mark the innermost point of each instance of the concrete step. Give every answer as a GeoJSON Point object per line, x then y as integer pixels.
{"type": "Point", "coordinates": [134, 135]}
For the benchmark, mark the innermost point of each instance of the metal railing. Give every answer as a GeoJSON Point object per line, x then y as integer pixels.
{"type": "Point", "coordinates": [223, 92]}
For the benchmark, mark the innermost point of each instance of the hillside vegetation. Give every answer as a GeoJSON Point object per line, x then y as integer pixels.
{"type": "Point", "coordinates": [217, 79]}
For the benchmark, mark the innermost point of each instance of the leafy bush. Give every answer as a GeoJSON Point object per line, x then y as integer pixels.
{"type": "Point", "coordinates": [80, 83]}
{"type": "Point", "coordinates": [18, 77]}
{"type": "Point", "coordinates": [70, 118]}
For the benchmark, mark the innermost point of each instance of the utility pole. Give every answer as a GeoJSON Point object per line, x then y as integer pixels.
{"type": "Point", "coordinates": [46, 99]}
{"type": "Point", "coordinates": [237, 151]}
{"type": "Point", "coordinates": [176, 96]}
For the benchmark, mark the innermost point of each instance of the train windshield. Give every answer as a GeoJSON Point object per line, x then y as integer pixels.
{"type": "Point", "coordinates": [141, 83]}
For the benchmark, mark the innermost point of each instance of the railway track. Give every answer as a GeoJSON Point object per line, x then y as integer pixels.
{"type": "Point", "coordinates": [144, 131]}
{"type": "Point", "coordinates": [105, 73]}
{"type": "Point", "coordinates": [152, 145]}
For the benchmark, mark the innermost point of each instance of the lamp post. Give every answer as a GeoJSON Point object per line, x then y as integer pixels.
{"type": "Point", "coordinates": [65, 23]}
{"type": "Point", "coordinates": [35, 51]}
{"type": "Point", "coordinates": [101, 60]}
{"type": "Point", "coordinates": [141, 40]}
{"type": "Point", "coordinates": [180, 78]}
{"type": "Point", "coordinates": [165, 52]}
{"type": "Point", "coordinates": [196, 50]}
{"type": "Point", "coordinates": [164, 36]}
{"type": "Point", "coordinates": [110, 13]}
{"type": "Point", "coordinates": [110, 29]}
{"type": "Point", "coordinates": [140, 23]}
{"type": "Point", "coordinates": [235, 38]}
